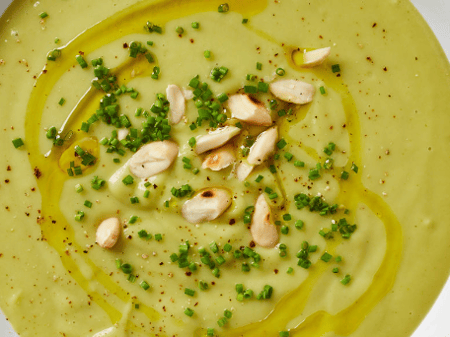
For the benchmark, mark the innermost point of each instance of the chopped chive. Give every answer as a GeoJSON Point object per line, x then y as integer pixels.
{"type": "Point", "coordinates": [87, 203]}
{"type": "Point", "coordinates": [78, 188]}
{"type": "Point", "coordinates": [338, 258]}
{"type": "Point", "coordinates": [133, 219]}
{"type": "Point", "coordinates": [272, 169]}
{"type": "Point", "coordinates": [281, 143]}
{"type": "Point", "coordinates": [126, 268]}
{"type": "Point", "coordinates": [222, 98]}
{"type": "Point", "coordinates": [61, 101]}
{"type": "Point", "coordinates": [259, 178]}
{"type": "Point", "coordinates": [250, 89]}
{"type": "Point", "coordinates": [284, 334]}
{"type": "Point", "coordinates": [354, 168]}
{"type": "Point", "coordinates": [179, 30]}
{"type": "Point", "coordinates": [335, 270]}
{"type": "Point", "coordinates": [207, 54]}
{"type": "Point", "coordinates": [344, 175]}
{"type": "Point", "coordinates": [287, 217]}
{"type": "Point", "coordinates": [227, 247]}
{"type": "Point", "coordinates": [213, 246]}
{"type": "Point", "coordinates": [128, 180]}
{"type": "Point", "coordinates": [158, 237]}
{"type": "Point", "coordinates": [189, 292]}
{"type": "Point", "coordinates": [322, 90]}
{"type": "Point", "coordinates": [57, 40]}
{"type": "Point", "coordinates": [284, 229]}
{"type": "Point", "coordinates": [346, 279]}
{"type": "Point", "coordinates": [335, 68]}
{"type": "Point", "coordinates": [263, 87]}
{"type": "Point", "coordinates": [210, 332]}
{"type": "Point", "coordinates": [18, 142]}
{"type": "Point", "coordinates": [258, 65]}
{"type": "Point", "coordinates": [81, 61]}
{"type": "Point", "coordinates": [223, 8]}
{"type": "Point", "coordinates": [189, 312]}
{"type": "Point", "coordinates": [280, 72]}
{"type": "Point", "coordinates": [299, 163]}
{"type": "Point", "coordinates": [244, 21]}
{"type": "Point", "coordinates": [290, 270]}
{"type": "Point", "coordinates": [273, 196]}
{"type": "Point", "coordinates": [195, 25]}
{"type": "Point", "coordinates": [326, 257]}
{"type": "Point", "coordinates": [43, 15]}
{"type": "Point", "coordinates": [227, 313]}
{"type": "Point", "coordinates": [146, 194]}
{"type": "Point", "coordinates": [144, 285]}
{"type": "Point", "coordinates": [299, 224]}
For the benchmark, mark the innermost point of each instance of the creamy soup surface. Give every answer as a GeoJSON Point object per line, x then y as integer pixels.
{"type": "Point", "coordinates": [353, 239]}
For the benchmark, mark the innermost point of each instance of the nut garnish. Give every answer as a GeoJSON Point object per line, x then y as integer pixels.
{"type": "Point", "coordinates": [315, 57]}
{"type": "Point", "coordinates": [249, 110]}
{"type": "Point", "coordinates": [108, 233]}
{"type": "Point", "coordinates": [293, 91]}
{"type": "Point", "coordinates": [263, 146]}
{"type": "Point", "coordinates": [216, 138]}
{"type": "Point", "coordinates": [219, 159]}
{"type": "Point", "coordinates": [153, 158]}
{"type": "Point", "coordinates": [207, 205]}
{"type": "Point", "coordinates": [177, 103]}
{"type": "Point", "coordinates": [243, 171]}
{"type": "Point", "coordinates": [264, 232]}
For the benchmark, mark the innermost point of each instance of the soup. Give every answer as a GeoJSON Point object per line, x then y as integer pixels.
{"type": "Point", "coordinates": [132, 119]}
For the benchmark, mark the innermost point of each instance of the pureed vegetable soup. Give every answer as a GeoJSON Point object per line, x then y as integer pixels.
{"type": "Point", "coordinates": [347, 160]}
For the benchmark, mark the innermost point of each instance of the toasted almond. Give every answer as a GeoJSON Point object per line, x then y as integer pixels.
{"type": "Point", "coordinates": [293, 91]}
{"type": "Point", "coordinates": [122, 134]}
{"type": "Point", "coordinates": [206, 206]}
{"type": "Point", "coordinates": [249, 110]}
{"type": "Point", "coordinates": [263, 146]}
{"type": "Point", "coordinates": [108, 233]}
{"type": "Point", "coordinates": [315, 57]}
{"type": "Point", "coordinates": [153, 158]}
{"type": "Point", "coordinates": [264, 232]}
{"type": "Point", "coordinates": [219, 159]}
{"type": "Point", "coordinates": [216, 138]}
{"type": "Point", "coordinates": [243, 171]}
{"type": "Point", "coordinates": [177, 103]}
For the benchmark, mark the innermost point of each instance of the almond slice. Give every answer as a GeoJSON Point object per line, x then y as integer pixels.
{"type": "Point", "coordinates": [293, 91]}
{"type": "Point", "coordinates": [153, 158]}
{"type": "Point", "coordinates": [315, 57]}
{"type": "Point", "coordinates": [263, 146]}
{"type": "Point", "coordinates": [264, 232]}
{"type": "Point", "coordinates": [108, 233]}
{"type": "Point", "coordinates": [122, 134]}
{"type": "Point", "coordinates": [243, 171]}
{"type": "Point", "coordinates": [216, 138]}
{"type": "Point", "coordinates": [219, 159]}
{"type": "Point", "coordinates": [249, 110]}
{"type": "Point", "coordinates": [177, 103]}
{"type": "Point", "coordinates": [206, 206]}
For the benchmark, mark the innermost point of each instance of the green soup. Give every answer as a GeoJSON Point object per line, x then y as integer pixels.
{"type": "Point", "coordinates": [357, 184]}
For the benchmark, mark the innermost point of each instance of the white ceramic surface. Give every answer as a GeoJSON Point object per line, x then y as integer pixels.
{"type": "Point", "coordinates": [437, 322]}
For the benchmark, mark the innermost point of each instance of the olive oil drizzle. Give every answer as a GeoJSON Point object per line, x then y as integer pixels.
{"type": "Point", "coordinates": [352, 191]}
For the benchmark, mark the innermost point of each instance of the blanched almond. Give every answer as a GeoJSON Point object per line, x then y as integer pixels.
{"type": "Point", "coordinates": [249, 110]}
{"type": "Point", "coordinates": [216, 138]}
{"type": "Point", "coordinates": [153, 158]}
{"type": "Point", "coordinates": [315, 57]}
{"type": "Point", "coordinates": [108, 233]}
{"type": "Point", "coordinates": [177, 103]}
{"type": "Point", "coordinates": [243, 171]}
{"type": "Point", "coordinates": [264, 232]}
{"type": "Point", "coordinates": [206, 206]}
{"type": "Point", "coordinates": [263, 146]}
{"type": "Point", "coordinates": [219, 159]}
{"type": "Point", "coordinates": [122, 134]}
{"type": "Point", "coordinates": [293, 91]}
